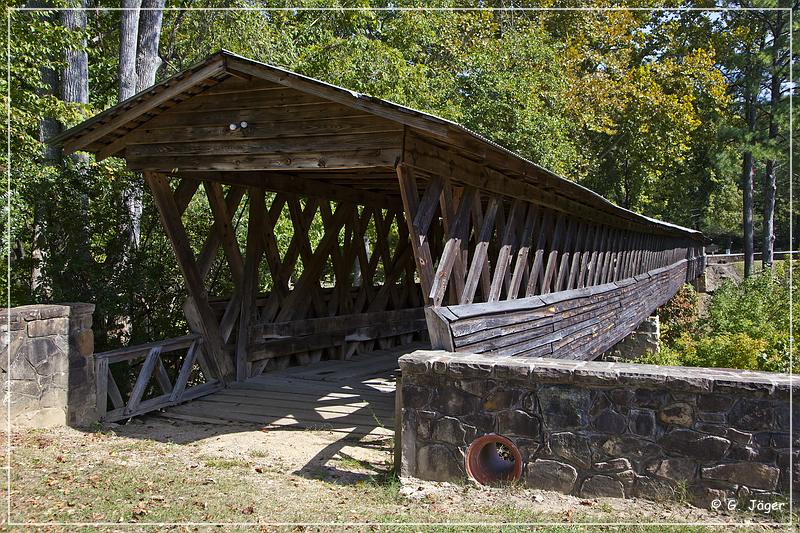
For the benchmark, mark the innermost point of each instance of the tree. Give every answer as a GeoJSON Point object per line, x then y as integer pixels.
{"type": "Point", "coordinates": [51, 157]}
{"type": "Point", "coordinates": [128, 39]}
{"type": "Point", "coordinates": [140, 32]}
{"type": "Point", "coordinates": [777, 77]}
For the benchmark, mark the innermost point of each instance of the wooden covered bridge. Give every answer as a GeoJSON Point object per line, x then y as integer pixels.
{"type": "Point", "coordinates": [432, 234]}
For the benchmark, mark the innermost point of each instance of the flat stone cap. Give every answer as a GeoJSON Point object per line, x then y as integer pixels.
{"type": "Point", "coordinates": [600, 374]}
{"type": "Point", "coordinates": [44, 311]}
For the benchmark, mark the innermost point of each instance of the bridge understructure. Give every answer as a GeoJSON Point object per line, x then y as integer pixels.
{"type": "Point", "coordinates": [344, 224]}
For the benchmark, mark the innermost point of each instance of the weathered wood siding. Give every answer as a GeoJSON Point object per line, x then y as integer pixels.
{"type": "Point", "coordinates": [573, 324]}
{"type": "Point", "coordinates": [285, 130]}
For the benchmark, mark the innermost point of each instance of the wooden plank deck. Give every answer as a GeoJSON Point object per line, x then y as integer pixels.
{"type": "Point", "coordinates": [354, 396]}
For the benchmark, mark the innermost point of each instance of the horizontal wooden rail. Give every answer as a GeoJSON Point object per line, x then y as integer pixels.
{"type": "Point", "coordinates": [131, 353]}
{"type": "Point", "coordinates": [131, 400]}
{"type": "Point", "coordinates": [278, 339]}
{"type": "Point", "coordinates": [336, 323]}
{"type": "Point", "coordinates": [573, 324]}
{"type": "Point", "coordinates": [724, 259]}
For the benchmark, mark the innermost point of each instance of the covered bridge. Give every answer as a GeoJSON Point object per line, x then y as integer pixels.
{"type": "Point", "coordinates": [432, 233]}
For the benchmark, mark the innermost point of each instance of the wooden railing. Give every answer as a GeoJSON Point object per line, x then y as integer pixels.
{"type": "Point", "coordinates": [573, 324]}
{"type": "Point", "coordinates": [153, 388]}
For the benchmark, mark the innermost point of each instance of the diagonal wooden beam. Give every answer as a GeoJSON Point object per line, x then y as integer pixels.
{"type": "Point", "coordinates": [270, 246]}
{"type": "Point", "coordinates": [538, 268]}
{"type": "Point", "coordinates": [419, 242]}
{"type": "Point", "coordinates": [580, 237]}
{"type": "Point", "coordinates": [183, 374]}
{"type": "Point", "coordinates": [521, 261]}
{"type": "Point", "coordinates": [480, 255]}
{"type": "Point", "coordinates": [145, 373]}
{"type": "Point", "coordinates": [173, 226]}
{"type": "Point", "coordinates": [297, 301]}
{"type": "Point", "coordinates": [477, 221]}
{"type": "Point", "coordinates": [283, 274]}
{"type": "Point", "coordinates": [451, 254]}
{"type": "Point", "coordinates": [223, 222]}
{"type": "Point", "coordinates": [205, 260]}
{"type": "Point", "coordinates": [184, 193]}
{"type": "Point", "coordinates": [504, 255]}
{"type": "Point", "coordinates": [449, 201]}
{"type": "Point", "coordinates": [552, 257]}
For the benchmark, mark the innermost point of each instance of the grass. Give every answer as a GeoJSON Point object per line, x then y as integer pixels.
{"type": "Point", "coordinates": [226, 464]}
{"type": "Point", "coordinates": [65, 475]}
{"type": "Point", "coordinates": [757, 266]}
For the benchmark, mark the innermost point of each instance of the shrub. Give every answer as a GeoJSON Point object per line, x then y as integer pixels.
{"type": "Point", "coordinates": [746, 326]}
{"type": "Point", "coordinates": [679, 315]}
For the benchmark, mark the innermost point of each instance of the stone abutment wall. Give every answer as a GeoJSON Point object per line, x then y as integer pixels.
{"type": "Point", "coordinates": [50, 349]}
{"type": "Point", "coordinates": [596, 429]}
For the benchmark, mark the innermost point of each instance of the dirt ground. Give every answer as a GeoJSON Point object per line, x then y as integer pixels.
{"type": "Point", "coordinates": [716, 274]}
{"type": "Point", "coordinates": [159, 474]}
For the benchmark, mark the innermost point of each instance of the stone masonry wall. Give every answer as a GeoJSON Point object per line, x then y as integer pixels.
{"type": "Point", "coordinates": [50, 348]}
{"type": "Point", "coordinates": [641, 341]}
{"type": "Point", "coordinates": [597, 429]}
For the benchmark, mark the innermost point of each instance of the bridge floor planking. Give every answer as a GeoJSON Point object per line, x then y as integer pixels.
{"type": "Point", "coordinates": [354, 396]}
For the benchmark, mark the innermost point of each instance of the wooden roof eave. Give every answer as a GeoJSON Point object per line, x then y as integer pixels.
{"type": "Point", "coordinates": [454, 135]}
{"type": "Point", "coordinates": [124, 112]}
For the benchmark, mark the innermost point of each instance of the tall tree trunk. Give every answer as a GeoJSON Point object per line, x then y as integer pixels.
{"type": "Point", "coordinates": [75, 77]}
{"type": "Point", "coordinates": [767, 250]}
{"type": "Point", "coordinates": [140, 73]}
{"type": "Point", "coordinates": [51, 156]}
{"type": "Point", "coordinates": [147, 59]}
{"type": "Point", "coordinates": [128, 81]}
{"type": "Point", "coordinates": [768, 246]}
{"type": "Point", "coordinates": [748, 169]}
{"type": "Point", "coordinates": [751, 84]}
{"type": "Point", "coordinates": [75, 88]}
{"type": "Point", "coordinates": [129, 36]}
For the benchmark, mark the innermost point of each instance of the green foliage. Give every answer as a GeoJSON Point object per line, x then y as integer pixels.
{"type": "Point", "coordinates": [679, 315]}
{"type": "Point", "coordinates": [745, 326]}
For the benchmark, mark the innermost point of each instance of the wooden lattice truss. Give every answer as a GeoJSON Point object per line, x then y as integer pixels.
{"type": "Point", "coordinates": [371, 297]}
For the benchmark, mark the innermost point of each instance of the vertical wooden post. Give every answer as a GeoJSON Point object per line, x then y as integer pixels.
{"type": "Point", "coordinates": [398, 423]}
{"type": "Point", "coordinates": [173, 226]}
{"type": "Point", "coordinates": [255, 225]}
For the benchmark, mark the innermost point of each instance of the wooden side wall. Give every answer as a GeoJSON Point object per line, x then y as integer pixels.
{"type": "Point", "coordinates": [574, 324]}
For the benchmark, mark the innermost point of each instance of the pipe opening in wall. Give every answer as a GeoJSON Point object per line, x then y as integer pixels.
{"type": "Point", "coordinates": [492, 459]}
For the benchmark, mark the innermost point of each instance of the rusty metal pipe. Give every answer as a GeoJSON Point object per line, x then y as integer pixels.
{"type": "Point", "coordinates": [487, 466]}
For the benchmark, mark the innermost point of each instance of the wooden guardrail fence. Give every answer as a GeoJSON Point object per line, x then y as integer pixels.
{"type": "Point", "coordinates": [153, 388]}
